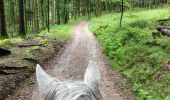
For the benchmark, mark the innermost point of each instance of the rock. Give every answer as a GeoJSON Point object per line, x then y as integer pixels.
{"type": "Point", "coordinates": [17, 63]}
{"type": "Point", "coordinates": [168, 67]}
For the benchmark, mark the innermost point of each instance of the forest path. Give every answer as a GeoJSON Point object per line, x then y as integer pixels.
{"type": "Point", "coordinates": [72, 65]}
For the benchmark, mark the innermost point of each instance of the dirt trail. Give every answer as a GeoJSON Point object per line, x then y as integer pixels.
{"type": "Point", "coordinates": [72, 64]}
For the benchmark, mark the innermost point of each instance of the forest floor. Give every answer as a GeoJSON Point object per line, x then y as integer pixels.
{"type": "Point", "coordinates": [71, 65]}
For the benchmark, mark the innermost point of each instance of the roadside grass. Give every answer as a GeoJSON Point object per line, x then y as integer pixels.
{"type": "Point", "coordinates": [61, 32]}
{"type": "Point", "coordinates": [133, 52]}
{"type": "Point", "coordinates": [57, 32]}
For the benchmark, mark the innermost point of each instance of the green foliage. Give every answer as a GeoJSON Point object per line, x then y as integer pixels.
{"type": "Point", "coordinates": [7, 43]}
{"type": "Point", "coordinates": [35, 51]}
{"type": "Point", "coordinates": [165, 44]}
{"type": "Point", "coordinates": [128, 51]}
{"type": "Point", "coordinates": [140, 24]}
{"type": "Point", "coordinates": [143, 95]}
{"type": "Point", "coordinates": [31, 52]}
{"type": "Point", "coordinates": [58, 32]}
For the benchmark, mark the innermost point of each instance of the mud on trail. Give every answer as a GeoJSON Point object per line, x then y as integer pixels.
{"type": "Point", "coordinates": [72, 63]}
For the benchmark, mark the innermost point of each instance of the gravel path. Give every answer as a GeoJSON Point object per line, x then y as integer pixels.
{"type": "Point", "coordinates": [72, 63]}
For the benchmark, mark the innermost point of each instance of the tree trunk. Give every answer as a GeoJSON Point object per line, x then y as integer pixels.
{"type": "Point", "coordinates": [3, 30]}
{"type": "Point", "coordinates": [48, 16]}
{"type": "Point", "coordinates": [21, 19]}
{"type": "Point", "coordinates": [75, 9]}
{"type": "Point", "coordinates": [58, 12]}
{"type": "Point", "coordinates": [164, 30]}
{"type": "Point", "coordinates": [42, 14]}
{"type": "Point", "coordinates": [122, 3]}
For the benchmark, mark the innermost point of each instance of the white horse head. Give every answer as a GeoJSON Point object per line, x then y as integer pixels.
{"type": "Point", "coordinates": [54, 89]}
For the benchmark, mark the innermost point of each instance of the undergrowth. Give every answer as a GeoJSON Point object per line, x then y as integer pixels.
{"type": "Point", "coordinates": [133, 52]}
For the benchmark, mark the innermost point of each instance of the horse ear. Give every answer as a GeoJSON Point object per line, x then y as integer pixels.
{"type": "Point", "coordinates": [92, 75]}
{"type": "Point", "coordinates": [45, 81]}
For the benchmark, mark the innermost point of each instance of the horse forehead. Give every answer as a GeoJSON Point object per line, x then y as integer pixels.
{"type": "Point", "coordinates": [76, 85]}
{"type": "Point", "coordinates": [73, 90]}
